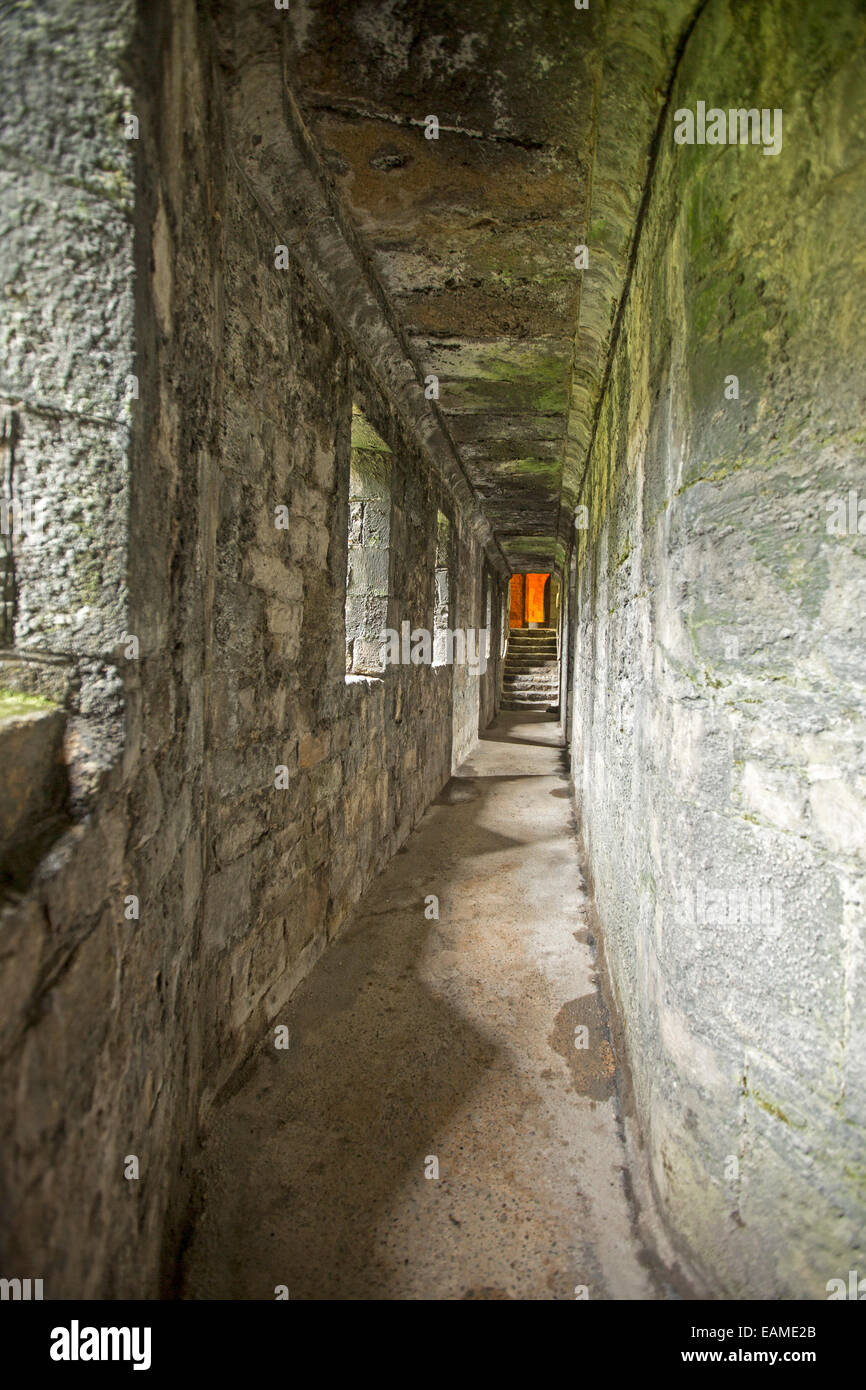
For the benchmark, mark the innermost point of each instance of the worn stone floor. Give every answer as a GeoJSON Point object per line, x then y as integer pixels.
{"type": "Point", "coordinates": [415, 1039]}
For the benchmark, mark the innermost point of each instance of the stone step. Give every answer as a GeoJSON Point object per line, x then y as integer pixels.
{"type": "Point", "coordinates": [532, 697]}
{"type": "Point", "coordinates": [524, 704]}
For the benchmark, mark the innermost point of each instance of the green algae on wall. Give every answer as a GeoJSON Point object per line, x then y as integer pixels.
{"type": "Point", "coordinates": [14, 704]}
{"type": "Point", "coordinates": [720, 724]}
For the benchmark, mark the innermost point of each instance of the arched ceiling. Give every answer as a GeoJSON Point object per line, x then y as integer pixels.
{"type": "Point", "coordinates": [546, 115]}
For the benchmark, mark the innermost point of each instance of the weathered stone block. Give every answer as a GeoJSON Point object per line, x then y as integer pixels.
{"type": "Point", "coordinates": [313, 748]}
{"type": "Point", "coordinates": [227, 904]}
{"type": "Point", "coordinates": [34, 785]}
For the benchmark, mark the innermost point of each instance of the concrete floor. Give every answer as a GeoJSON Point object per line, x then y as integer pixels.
{"type": "Point", "coordinates": [453, 1039]}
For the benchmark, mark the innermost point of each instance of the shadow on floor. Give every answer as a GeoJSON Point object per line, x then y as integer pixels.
{"type": "Point", "coordinates": [449, 1038]}
{"type": "Point", "coordinates": [376, 1064]}
{"type": "Point", "coordinates": [499, 731]}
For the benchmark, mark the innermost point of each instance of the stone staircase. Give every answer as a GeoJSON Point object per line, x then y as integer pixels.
{"type": "Point", "coordinates": [531, 679]}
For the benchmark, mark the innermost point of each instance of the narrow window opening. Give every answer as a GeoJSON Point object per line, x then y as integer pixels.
{"type": "Point", "coordinates": [488, 619]}
{"type": "Point", "coordinates": [442, 599]}
{"type": "Point", "coordinates": [369, 556]}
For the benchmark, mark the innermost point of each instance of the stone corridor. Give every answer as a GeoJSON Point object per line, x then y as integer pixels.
{"type": "Point", "coordinates": [432, 579]}
{"type": "Point", "coordinates": [453, 1039]}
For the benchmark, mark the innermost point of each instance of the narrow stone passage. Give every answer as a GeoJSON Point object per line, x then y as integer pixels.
{"type": "Point", "coordinates": [453, 1039]}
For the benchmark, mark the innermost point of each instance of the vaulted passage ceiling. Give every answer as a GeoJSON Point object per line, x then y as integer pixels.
{"type": "Point", "coordinates": [473, 235]}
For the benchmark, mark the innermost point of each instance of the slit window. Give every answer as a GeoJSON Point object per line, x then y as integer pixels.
{"type": "Point", "coordinates": [488, 617]}
{"type": "Point", "coordinates": [442, 596]}
{"type": "Point", "coordinates": [369, 557]}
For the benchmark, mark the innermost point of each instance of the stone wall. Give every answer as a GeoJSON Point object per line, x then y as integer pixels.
{"type": "Point", "coordinates": [256, 789]}
{"type": "Point", "coordinates": [719, 710]}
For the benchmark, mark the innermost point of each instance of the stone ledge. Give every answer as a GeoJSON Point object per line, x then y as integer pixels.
{"type": "Point", "coordinates": [34, 784]}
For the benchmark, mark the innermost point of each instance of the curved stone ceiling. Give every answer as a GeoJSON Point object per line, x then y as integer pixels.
{"type": "Point", "coordinates": [545, 120]}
